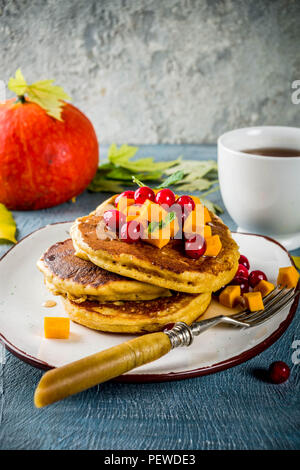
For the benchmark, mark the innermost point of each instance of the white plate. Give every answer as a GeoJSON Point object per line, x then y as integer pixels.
{"type": "Point", "coordinates": [22, 294]}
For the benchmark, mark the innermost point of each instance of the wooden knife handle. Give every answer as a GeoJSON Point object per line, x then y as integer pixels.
{"type": "Point", "coordinates": [77, 376]}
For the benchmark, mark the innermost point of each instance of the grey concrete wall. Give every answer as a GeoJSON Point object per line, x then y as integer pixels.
{"type": "Point", "coordinates": [169, 71]}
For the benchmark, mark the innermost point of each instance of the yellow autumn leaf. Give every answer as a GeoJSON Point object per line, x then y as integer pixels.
{"type": "Point", "coordinates": [296, 261]}
{"type": "Point", "coordinates": [50, 97]}
{"type": "Point", "coordinates": [7, 225]}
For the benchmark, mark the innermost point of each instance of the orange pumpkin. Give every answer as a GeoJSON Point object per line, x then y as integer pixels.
{"type": "Point", "coordinates": [44, 161]}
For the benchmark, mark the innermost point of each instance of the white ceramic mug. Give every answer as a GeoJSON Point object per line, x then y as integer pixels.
{"type": "Point", "coordinates": [261, 193]}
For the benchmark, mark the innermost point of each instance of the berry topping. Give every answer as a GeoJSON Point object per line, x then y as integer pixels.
{"type": "Point", "coordinates": [242, 272]}
{"type": "Point", "coordinates": [255, 277]}
{"type": "Point", "coordinates": [165, 197]}
{"type": "Point", "coordinates": [195, 247]}
{"type": "Point", "coordinates": [131, 231]}
{"type": "Point", "coordinates": [114, 219]}
{"type": "Point", "coordinates": [279, 372]}
{"type": "Point", "coordinates": [187, 204]}
{"type": "Point", "coordinates": [244, 261]}
{"type": "Point", "coordinates": [142, 194]}
{"type": "Point", "coordinates": [127, 194]}
{"type": "Point", "coordinates": [242, 282]}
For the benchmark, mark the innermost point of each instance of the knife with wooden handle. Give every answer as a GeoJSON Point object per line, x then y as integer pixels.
{"type": "Point", "coordinates": [77, 376]}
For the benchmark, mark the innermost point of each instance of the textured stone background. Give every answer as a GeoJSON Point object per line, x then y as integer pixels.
{"type": "Point", "coordinates": [169, 71]}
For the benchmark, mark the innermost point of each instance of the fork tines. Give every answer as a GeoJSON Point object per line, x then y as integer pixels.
{"type": "Point", "coordinates": [273, 302]}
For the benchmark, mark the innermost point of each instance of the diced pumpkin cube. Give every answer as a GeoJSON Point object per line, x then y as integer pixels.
{"type": "Point", "coordinates": [196, 200]}
{"type": "Point", "coordinates": [133, 210]}
{"type": "Point", "coordinates": [207, 217]}
{"type": "Point", "coordinates": [229, 296]}
{"type": "Point", "coordinates": [152, 212]}
{"type": "Point", "coordinates": [207, 231]}
{"type": "Point", "coordinates": [124, 203]}
{"type": "Point", "coordinates": [265, 287]}
{"type": "Point", "coordinates": [288, 277]}
{"type": "Point", "coordinates": [254, 301]}
{"type": "Point", "coordinates": [194, 221]}
{"type": "Point", "coordinates": [174, 227]}
{"type": "Point", "coordinates": [158, 238]}
{"type": "Point", "coordinates": [213, 246]}
{"type": "Point", "coordinates": [57, 327]}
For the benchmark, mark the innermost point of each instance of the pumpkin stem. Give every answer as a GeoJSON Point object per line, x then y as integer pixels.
{"type": "Point", "coordinates": [21, 99]}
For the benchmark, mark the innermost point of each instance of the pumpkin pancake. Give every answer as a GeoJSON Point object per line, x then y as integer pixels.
{"type": "Point", "coordinates": [168, 267]}
{"type": "Point", "coordinates": [79, 280]}
{"type": "Point", "coordinates": [139, 316]}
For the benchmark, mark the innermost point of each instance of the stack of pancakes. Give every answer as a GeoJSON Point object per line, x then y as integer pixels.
{"type": "Point", "coordinates": [109, 285]}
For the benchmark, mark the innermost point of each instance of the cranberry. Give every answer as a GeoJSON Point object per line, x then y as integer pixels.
{"type": "Point", "coordinates": [114, 219]}
{"type": "Point", "coordinates": [195, 247]}
{"type": "Point", "coordinates": [127, 194]}
{"type": "Point", "coordinates": [242, 282]}
{"type": "Point", "coordinates": [279, 372]}
{"type": "Point", "coordinates": [244, 261]}
{"type": "Point", "coordinates": [255, 277]}
{"type": "Point", "coordinates": [131, 231]}
{"type": "Point", "coordinates": [165, 197]}
{"type": "Point", "coordinates": [142, 194]}
{"type": "Point", "coordinates": [187, 204]}
{"type": "Point", "coordinates": [242, 272]}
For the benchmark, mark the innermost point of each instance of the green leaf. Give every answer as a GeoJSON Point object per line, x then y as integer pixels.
{"type": "Point", "coordinates": [43, 93]}
{"type": "Point", "coordinates": [297, 261]}
{"type": "Point", "coordinates": [163, 223]}
{"type": "Point", "coordinates": [100, 183]}
{"type": "Point", "coordinates": [172, 179]}
{"type": "Point", "coordinates": [119, 156]}
{"type": "Point", "coordinates": [7, 225]}
{"type": "Point", "coordinates": [194, 168]}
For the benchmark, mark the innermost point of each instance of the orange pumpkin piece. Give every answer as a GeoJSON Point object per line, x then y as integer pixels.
{"type": "Point", "coordinates": [207, 217]}
{"type": "Point", "coordinates": [152, 212]}
{"type": "Point", "coordinates": [288, 277]}
{"type": "Point", "coordinates": [265, 287]}
{"type": "Point", "coordinates": [57, 327]}
{"type": "Point", "coordinates": [124, 203]}
{"type": "Point", "coordinates": [196, 200]}
{"type": "Point", "coordinates": [213, 246]}
{"type": "Point", "coordinates": [159, 238]}
{"type": "Point", "coordinates": [207, 231]}
{"type": "Point", "coordinates": [229, 296]}
{"type": "Point", "coordinates": [195, 220]}
{"type": "Point", "coordinates": [254, 301]}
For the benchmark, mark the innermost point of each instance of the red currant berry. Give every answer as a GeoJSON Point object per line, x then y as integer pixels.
{"type": "Point", "coordinates": [127, 194]}
{"type": "Point", "coordinates": [242, 282]}
{"type": "Point", "coordinates": [195, 247]}
{"type": "Point", "coordinates": [279, 372]}
{"type": "Point", "coordinates": [255, 277]}
{"type": "Point", "coordinates": [131, 231]}
{"type": "Point", "coordinates": [187, 204]}
{"type": "Point", "coordinates": [244, 261]}
{"type": "Point", "coordinates": [114, 219]}
{"type": "Point", "coordinates": [165, 197]}
{"type": "Point", "coordinates": [142, 194]}
{"type": "Point", "coordinates": [242, 272]}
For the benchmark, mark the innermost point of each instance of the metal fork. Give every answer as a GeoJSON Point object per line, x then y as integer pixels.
{"type": "Point", "coordinates": [182, 335]}
{"type": "Point", "coordinates": [72, 378]}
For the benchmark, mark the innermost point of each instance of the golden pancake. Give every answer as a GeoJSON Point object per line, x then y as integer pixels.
{"type": "Point", "coordinates": [67, 275]}
{"type": "Point", "coordinates": [168, 267]}
{"type": "Point", "coordinates": [138, 316]}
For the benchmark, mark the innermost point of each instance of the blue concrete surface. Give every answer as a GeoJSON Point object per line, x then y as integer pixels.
{"type": "Point", "coordinates": [234, 409]}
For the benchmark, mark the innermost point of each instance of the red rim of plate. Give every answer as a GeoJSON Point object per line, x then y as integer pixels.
{"type": "Point", "coordinates": [170, 376]}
